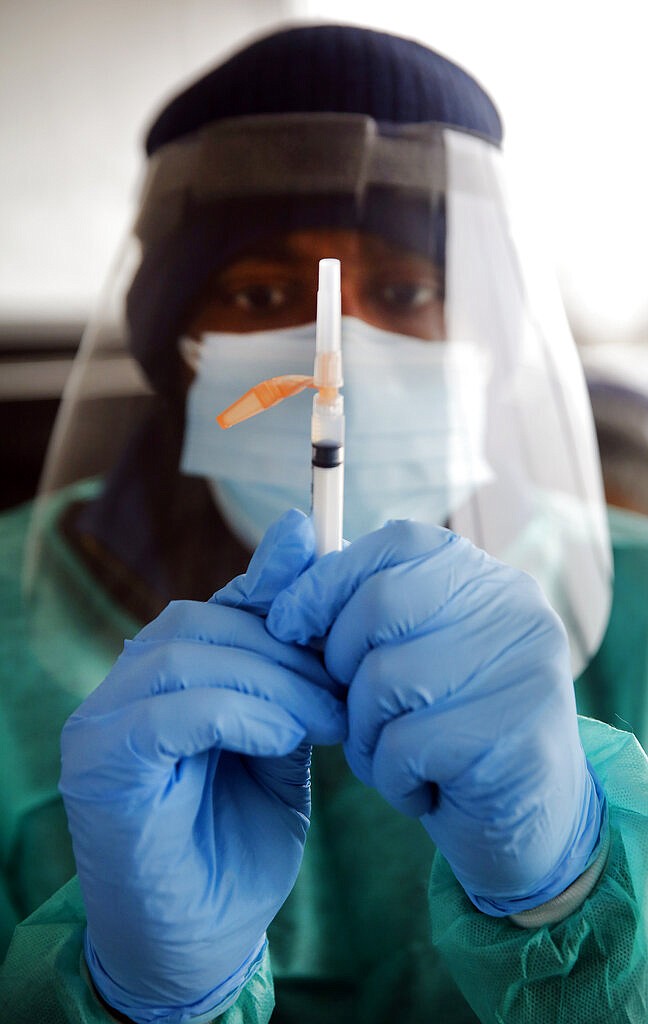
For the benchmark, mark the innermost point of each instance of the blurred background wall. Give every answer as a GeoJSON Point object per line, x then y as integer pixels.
{"type": "Point", "coordinates": [80, 79]}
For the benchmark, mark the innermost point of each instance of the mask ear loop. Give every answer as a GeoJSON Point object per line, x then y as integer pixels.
{"type": "Point", "coordinates": [190, 352]}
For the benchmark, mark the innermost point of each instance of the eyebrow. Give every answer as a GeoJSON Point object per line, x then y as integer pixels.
{"type": "Point", "coordinates": [280, 250]}
{"type": "Point", "coordinates": [277, 249]}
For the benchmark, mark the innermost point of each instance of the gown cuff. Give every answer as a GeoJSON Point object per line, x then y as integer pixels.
{"type": "Point", "coordinates": [566, 902]}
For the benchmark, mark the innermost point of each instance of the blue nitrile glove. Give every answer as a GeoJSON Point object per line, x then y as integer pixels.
{"type": "Point", "coordinates": [186, 784]}
{"type": "Point", "coordinates": [460, 705]}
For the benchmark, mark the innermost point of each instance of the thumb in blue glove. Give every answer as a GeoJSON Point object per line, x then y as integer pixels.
{"type": "Point", "coordinates": [461, 707]}
{"type": "Point", "coordinates": [285, 551]}
{"type": "Point", "coordinates": [185, 777]}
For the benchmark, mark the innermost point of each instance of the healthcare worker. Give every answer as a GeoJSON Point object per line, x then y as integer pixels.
{"type": "Point", "coordinates": [474, 851]}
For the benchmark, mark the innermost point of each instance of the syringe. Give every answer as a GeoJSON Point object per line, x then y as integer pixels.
{"type": "Point", "coordinates": [327, 420]}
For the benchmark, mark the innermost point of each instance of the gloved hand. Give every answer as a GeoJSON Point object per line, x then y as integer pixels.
{"type": "Point", "coordinates": [461, 709]}
{"type": "Point", "coordinates": [185, 777]}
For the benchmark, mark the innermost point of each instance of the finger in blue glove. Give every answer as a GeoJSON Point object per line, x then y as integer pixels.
{"type": "Point", "coordinates": [461, 707]}
{"type": "Point", "coordinates": [286, 549]}
{"type": "Point", "coordinates": [186, 781]}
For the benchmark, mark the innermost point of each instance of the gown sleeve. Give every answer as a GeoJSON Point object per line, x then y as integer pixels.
{"type": "Point", "coordinates": [591, 966]}
{"type": "Point", "coordinates": [44, 977]}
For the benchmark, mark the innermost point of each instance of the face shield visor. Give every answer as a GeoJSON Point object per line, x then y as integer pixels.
{"type": "Point", "coordinates": [463, 388]}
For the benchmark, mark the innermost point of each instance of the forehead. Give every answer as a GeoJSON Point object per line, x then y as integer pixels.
{"type": "Point", "coordinates": [354, 248]}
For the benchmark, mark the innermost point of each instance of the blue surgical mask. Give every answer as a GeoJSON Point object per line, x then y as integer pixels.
{"type": "Point", "coordinates": [414, 426]}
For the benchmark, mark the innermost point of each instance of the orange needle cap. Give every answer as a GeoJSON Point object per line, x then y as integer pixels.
{"type": "Point", "coordinates": [263, 396]}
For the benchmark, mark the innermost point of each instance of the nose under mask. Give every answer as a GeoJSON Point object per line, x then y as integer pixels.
{"type": "Point", "coordinates": [414, 426]}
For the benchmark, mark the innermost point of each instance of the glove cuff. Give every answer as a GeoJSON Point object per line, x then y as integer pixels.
{"type": "Point", "coordinates": [577, 859]}
{"type": "Point", "coordinates": [573, 896]}
{"type": "Point", "coordinates": [203, 1010]}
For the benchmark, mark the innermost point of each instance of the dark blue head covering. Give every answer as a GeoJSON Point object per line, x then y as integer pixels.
{"type": "Point", "coordinates": [308, 69]}
{"type": "Point", "coordinates": [332, 68]}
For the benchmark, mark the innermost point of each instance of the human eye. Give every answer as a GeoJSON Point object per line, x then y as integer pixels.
{"type": "Point", "coordinates": [258, 297]}
{"type": "Point", "coordinates": [407, 296]}
{"type": "Point", "coordinates": [254, 294]}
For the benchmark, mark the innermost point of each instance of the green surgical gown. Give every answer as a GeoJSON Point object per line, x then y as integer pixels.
{"type": "Point", "coordinates": [376, 929]}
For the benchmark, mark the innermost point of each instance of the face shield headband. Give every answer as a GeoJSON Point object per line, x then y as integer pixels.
{"type": "Point", "coordinates": [289, 154]}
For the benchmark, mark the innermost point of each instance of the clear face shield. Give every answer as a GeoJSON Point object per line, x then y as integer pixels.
{"type": "Point", "coordinates": [465, 399]}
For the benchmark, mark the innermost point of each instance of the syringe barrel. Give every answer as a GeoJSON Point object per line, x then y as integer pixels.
{"type": "Point", "coordinates": [327, 496]}
{"type": "Point", "coordinates": [327, 420]}
{"type": "Point", "coordinates": [327, 423]}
